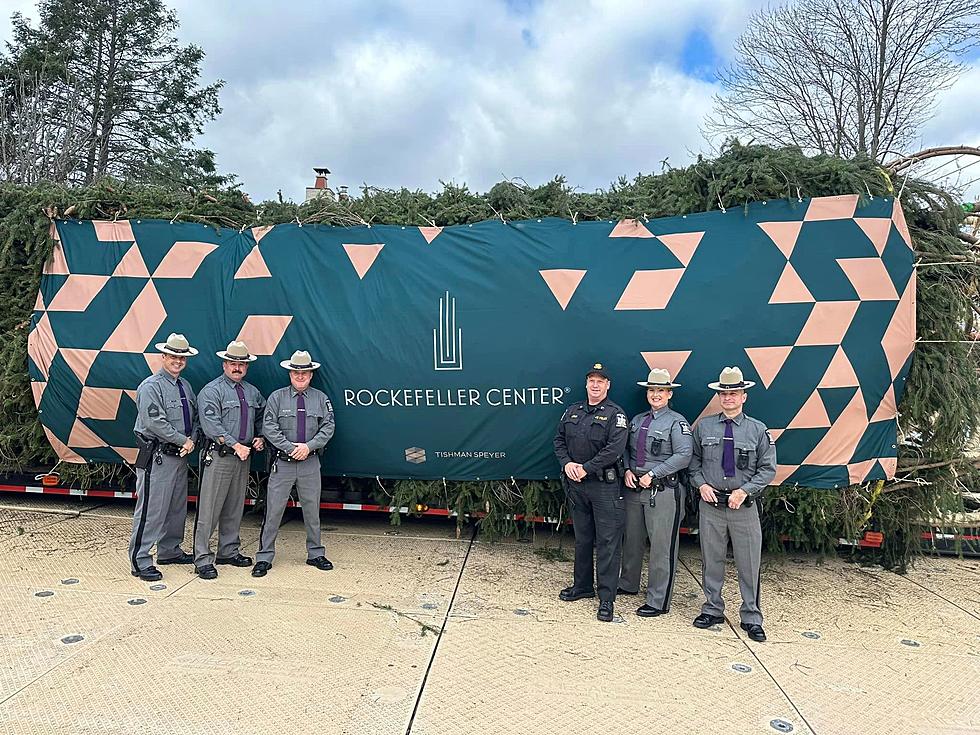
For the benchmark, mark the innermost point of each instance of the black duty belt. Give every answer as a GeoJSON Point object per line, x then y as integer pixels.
{"type": "Point", "coordinates": [172, 450]}
{"type": "Point", "coordinates": [284, 456]}
{"type": "Point", "coordinates": [723, 500]}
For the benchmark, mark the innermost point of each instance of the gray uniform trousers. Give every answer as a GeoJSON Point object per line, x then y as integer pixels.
{"type": "Point", "coordinates": [160, 512]}
{"type": "Point", "coordinates": [745, 529]}
{"type": "Point", "coordinates": [597, 519]}
{"type": "Point", "coordinates": [661, 525]}
{"type": "Point", "coordinates": [221, 503]}
{"type": "Point", "coordinates": [306, 476]}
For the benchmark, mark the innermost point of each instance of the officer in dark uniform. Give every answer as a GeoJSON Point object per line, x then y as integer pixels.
{"type": "Point", "coordinates": [589, 445]}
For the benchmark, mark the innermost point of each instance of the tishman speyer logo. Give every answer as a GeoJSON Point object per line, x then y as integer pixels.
{"type": "Point", "coordinates": [447, 338]}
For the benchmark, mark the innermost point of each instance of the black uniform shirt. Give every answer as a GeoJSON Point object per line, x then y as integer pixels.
{"type": "Point", "coordinates": [593, 436]}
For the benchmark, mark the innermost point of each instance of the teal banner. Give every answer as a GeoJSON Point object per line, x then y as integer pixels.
{"type": "Point", "coordinates": [452, 352]}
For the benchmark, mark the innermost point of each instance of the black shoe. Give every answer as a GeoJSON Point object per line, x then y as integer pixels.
{"type": "Point", "coordinates": [706, 621]}
{"type": "Point", "coordinates": [621, 591]}
{"type": "Point", "coordinates": [207, 572]}
{"type": "Point", "coordinates": [754, 630]}
{"type": "Point", "coordinates": [321, 562]}
{"type": "Point", "coordinates": [570, 594]}
{"type": "Point", "coordinates": [645, 611]}
{"type": "Point", "coordinates": [261, 569]}
{"type": "Point", "coordinates": [184, 558]}
{"type": "Point", "coordinates": [150, 574]}
{"type": "Point", "coordinates": [236, 561]}
{"type": "Point", "coordinates": [605, 613]}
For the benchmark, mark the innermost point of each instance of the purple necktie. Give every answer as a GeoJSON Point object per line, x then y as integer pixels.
{"type": "Point", "coordinates": [728, 451]}
{"type": "Point", "coordinates": [185, 407]}
{"type": "Point", "coordinates": [300, 419]}
{"type": "Point", "coordinates": [641, 441]}
{"type": "Point", "coordinates": [243, 407]}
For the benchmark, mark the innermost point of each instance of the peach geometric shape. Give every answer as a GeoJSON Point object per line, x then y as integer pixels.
{"type": "Point", "coordinates": [857, 471]}
{"type": "Point", "coordinates": [41, 345]}
{"type": "Point", "coordinates": [53, 232]}
{"type": "Point", "coordinates": [899, 339]}
{"type": "Point", "coordinates": [828, 323]}
{"type": "Point", "coordinates": [56, 264]}
{"type": "Point", "coordinates": [64, 453]}
{"type": "Point", "coordinates": [183, 259]}
{"type": "Point", "coordinates": [889, 465]}
{"type": "Point", "coordinates": [262, 333]}
{"type": "Point", "coordinates": [783, 471]}
{"type": "Point", "coordinates": [37, 388]}
{"type": "Point", "coordinates": [840, 373]}
{"type": "Point", "coordinates": [253, 266]}
{"type": "Point", "coordinates": [630, 228]}
{"type": "Point", "coordinates": [888, 408]}
{"type": "Point", "coordinates": [362, 257]}
{"type": "Point", "coordinates": [132, 265]}
{"type": "Point", "coordinates": [790, 288]}
{"type": "Point", "coordinates": [154, 361]}
{"type": "Point", "coordinates": [783, 234]}
{"type": "Point", "coordinates": [813, 415]}
{"type": "Point", "coordinates": [877, 230]}
{"type": "Point", "coordinates": [838, 444]}
{"type": "Point", "coordinates": [39, 302]}
{"type": "Point", "coordinates": [99, 403]}
{"type": "Point", "coordinates": [129, 454]}
{"type": "Point", "coordinates": [562, 282]}
{"type": "Point", "coordinates": [898, 217]}
{"type": "Point", "coordinates": [776, 433]}
{"type": "Point", "coordinates": [80, 361]}
{"type": "Point", "coordinates": [682, 245]}
{"type": "Point", "coordinates": [824, 208]}
{"type": "Point", "coordinates": [77, 293]}
{"type": "Point", "coordinates": [650, 289]}
{"type": "Point", "coordinates": [768, 361]}
{"type": "Point", "coordinates": [430, 233]}
{"type": "Point", "coordinates": [259, 232]}
{"type": "Point", "coordinates": [140, 324]}
{"type": "Point", "coordinates": [132, 393]}
{"type": "Point", "coordinates": [712, 409]}
{"type": "Point", "coordinates": [870, 278]}
{"type": "Point", "coordinates": [109, 231]}
{"type": "Point", "coordinates": [672, 362]}
{"type": "Point", "coordinates": [82, 437]}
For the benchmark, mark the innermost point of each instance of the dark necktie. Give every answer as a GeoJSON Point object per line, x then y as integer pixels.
{"type": "Point", "coordinates": [641, 441]}
{"type": "Point", "coordinates": [300, 419]}
{"type": "Point", "coordinates": [728, 450]}
{"type": "Point", "coordinates": [186, 408]}
{"type": "Point", "coordinates": [243, 407]}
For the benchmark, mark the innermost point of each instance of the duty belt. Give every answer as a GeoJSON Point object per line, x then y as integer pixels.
{"type": "Point", "coordinates": [172, 450]}
{"type": "Point", "coordinates": [723, 500]}
{"type": "Point", "coordinates": [284, 456]}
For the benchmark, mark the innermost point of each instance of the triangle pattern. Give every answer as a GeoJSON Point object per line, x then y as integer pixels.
{"type": "Point", "coordinates": [39, 302]}
{"type": "Point", "coordinates": [898, 217]}
{"type": "Point", "coordinates": [876, 229]}
{"type": "Point", "coordinates": [650, 289]}
{"type": "Point", "coordinates": [783, 472]}
{"type": "Point", "coordinates": [37, 389]}
{"type": "Point", "coordinates": [827, 324]}
{"type": "Point", "coordinates": [99, 403]}
{"type": "Point", "coordinates": [77, 293]}
{"type": "Point", "coordinates": [825, 208]}
{"type": "Point", "coordinates": [713, 408]}
{"type": "Point", "coordinates": [138, 327]}
{"type": "Point", "coordinates": [840, 373]}
{"type": "Point", "coordinates": [790, 288]}
{"type": "Point", "coordinates": [857, 471]}
{"type": "Point", "coordinates": [869, 278]}
{"type": "Point", "coordinates": [253, 266]}
{"type": "Point", "coordinates": [899, 339]}
{"type": "Point", "coordinates": [672, 362]}
{"type": "Point", "coordinates": [835, 400]}
{"type": "Point", "coordinates": [64, 453]}
{"type": "Point", "coordinates": [56, 265]}
{"type": "Point", "coordinates": [132, 265]}
{"type": "Point", "coordinates": [362, 257]}
{"type": "Point", "coordinates": [630, 228]}
{"type": "Point", "coordinates": [682, 245]}
{"type": "Point", "coordinates": [430, 233]}
{"type": "Point", "coordinates": [563, 282]}
{"type": "Point", "coordinates": [783, 234]}
{"type": "Point", "coordinates": [768, 361]}
{"type": "Point", "coordinates": [888, 408]}
{"type": "Point", "coordinates": [82, 437]}
{"type": "Point", "coordinates": [129, 454]}
{"type": "Point", "coordinates": [889, 465]}
{"type": "Point", "coordinates": [813, 415]}
{"type": "Point", "coordinates": [259, 232]}
{"type": "Point", "coordinates": [838, 444]}
{"type": "Point", "coordinates": [80, 361]}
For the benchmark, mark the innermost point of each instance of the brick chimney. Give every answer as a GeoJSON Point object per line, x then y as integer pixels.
{"type": "Point", "coordinates": [319, 187]}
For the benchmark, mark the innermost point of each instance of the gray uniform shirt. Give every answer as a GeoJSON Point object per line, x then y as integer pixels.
{"type": "Point", "coordinates": [221, 413]}
{"type": "Point", "coordinates": [754, 449]}
{"type": "Point", "coordinates": [158, 408]}
{"type": "Point", "coordinates": [668, 430]}
{"type": "Point", "coordinates": [279, 423]}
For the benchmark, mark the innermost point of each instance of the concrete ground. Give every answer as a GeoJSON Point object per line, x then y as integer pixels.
{"type": "Point", "coordinates": [418, 631]}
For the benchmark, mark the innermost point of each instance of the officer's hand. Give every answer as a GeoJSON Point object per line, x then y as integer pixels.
{"type": "Point", "coordinates": [736, 499]}
{"type": "Point", "coordinates": [708, 493]}
{"type": "Point", "coordinates": [258, 444]}
{"type": "Point", "coordinates": [630, 480]}
{"type": "Point", "coordinates": [187, 447]}
{"type": "Point", "coordinates": [645, 480]}
{"type": "Point", "coordinates": [300, 453]}
{"type": "Point", "coordinates": [574, 471]}
{"type": "Point", "coordinates": [241, 451]}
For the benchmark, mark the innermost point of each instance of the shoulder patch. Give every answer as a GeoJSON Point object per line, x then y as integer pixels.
{"type": "Point", "coordinates": [772, 442]}
{"type": "Point", "coordinates": [329, 406]}
{"type": "Point", "coordinates": [210, 410]}
{"type": "Point", "coordinates": [685, 428]}
{"type": "Point", "coordinates": [620, 420]}
{"type": "Point", "coordinates": [153, 410]}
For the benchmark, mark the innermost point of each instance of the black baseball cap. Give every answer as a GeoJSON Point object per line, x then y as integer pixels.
{"type": "Point", "coordinates": [598, 369]}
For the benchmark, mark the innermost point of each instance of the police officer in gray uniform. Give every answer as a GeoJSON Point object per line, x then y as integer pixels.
{"type": "Point", "coordinates": [231, 418]}
{"type": "Point", "coordinates": [298, 423]}
{"type": "Point", "coordinates": [589, 445]}
{"type": "Point", "coordinates": [659, 449]}
{"type": "Point", "coordinates": [166, 424]}
{"type": "Point", "coordinates": [734, 460]}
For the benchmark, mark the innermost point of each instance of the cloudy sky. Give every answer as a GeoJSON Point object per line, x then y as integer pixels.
{"type": "Point", "coordinates": [401, 93]}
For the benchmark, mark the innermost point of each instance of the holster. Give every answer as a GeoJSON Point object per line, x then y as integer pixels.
{"type": "Point", "coordinates": [147, 447]}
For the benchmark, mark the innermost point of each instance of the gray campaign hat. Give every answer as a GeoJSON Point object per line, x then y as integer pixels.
{"type": "Point", "coordinates": [731, 379]}
{"type": "Point", "coordinates": [658, 378]}
{"type": "Point", "coordinates": [300, 360]}
{"type": "Point", "coordinates": [236, 352]}
{"type": "Point", "coordinates": [176, 345]}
